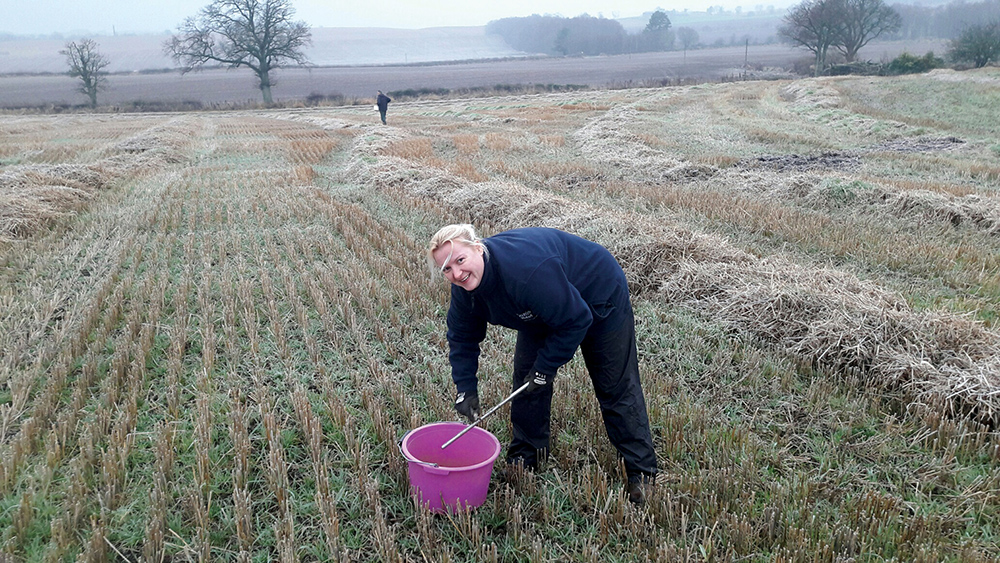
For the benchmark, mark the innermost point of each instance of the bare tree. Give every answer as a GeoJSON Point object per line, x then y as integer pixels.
{"type": "Point", "coordinates": [978, 44]}
{"type": "Point", "coordinates": [863, 21]}
{"type": "Point", "coordinates": [257, 34]}
{"type": "Point", "coordinates": [815, 25]}
{"type": "Point", "coordinates": [87, 63]}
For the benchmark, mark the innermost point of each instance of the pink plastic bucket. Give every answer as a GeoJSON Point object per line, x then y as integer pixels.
{"type": "Point", "coordinates": [456, 477]}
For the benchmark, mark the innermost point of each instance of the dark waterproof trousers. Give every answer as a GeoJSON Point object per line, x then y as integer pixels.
{"type": "Point", "coordinates": [612, 361]}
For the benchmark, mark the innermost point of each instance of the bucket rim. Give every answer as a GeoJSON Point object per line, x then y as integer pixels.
{"type": "Point", "coordinates": [459, 426]}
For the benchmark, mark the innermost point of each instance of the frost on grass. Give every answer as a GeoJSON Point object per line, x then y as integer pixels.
{"type": "Point", "coordinates": [810, 94]}
{"type": "Point", "coordinates": [815, 183]}
{"type": "Point", "coordinates": [982, 76]}
{"type": "Point", "coordinates": [607, 140]}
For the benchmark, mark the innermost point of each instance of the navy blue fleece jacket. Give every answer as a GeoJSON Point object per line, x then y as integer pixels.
{"type": "Point", "coordinates": [551, 284]}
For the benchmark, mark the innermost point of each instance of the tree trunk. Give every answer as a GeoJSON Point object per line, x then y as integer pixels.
{"type": "Point", "coordinates": [265, 87]}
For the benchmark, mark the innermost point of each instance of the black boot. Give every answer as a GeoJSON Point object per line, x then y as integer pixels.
{"type": "Point", "coordinates": [639, 489]}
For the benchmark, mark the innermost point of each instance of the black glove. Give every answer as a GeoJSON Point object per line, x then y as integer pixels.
{"type": "Point", "coordinates": [467, 405]}
{"type": "Point", "coordinates": [538, 381]}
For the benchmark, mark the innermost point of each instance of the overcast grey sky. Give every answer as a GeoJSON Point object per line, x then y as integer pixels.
{"type": "Point", "coordinates": [103, 17]}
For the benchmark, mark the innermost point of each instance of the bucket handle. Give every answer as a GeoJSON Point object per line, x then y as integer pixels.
{"type": "Point", "coordinates": [431, 467]}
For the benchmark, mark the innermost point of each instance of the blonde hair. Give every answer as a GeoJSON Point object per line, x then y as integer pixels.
{"type": "Point", "coordinates": [459, 232]}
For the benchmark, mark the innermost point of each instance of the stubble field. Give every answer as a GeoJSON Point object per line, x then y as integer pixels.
{"type": "Point", "coordinates": [216, 326]}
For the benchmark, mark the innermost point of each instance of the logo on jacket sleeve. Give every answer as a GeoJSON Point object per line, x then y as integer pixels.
{"type": "Point", "coordinates": [527, 316]}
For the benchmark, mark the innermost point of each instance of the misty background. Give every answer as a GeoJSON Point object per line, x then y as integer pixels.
{"type": "Point", "coordinates": [110, 17]}
{"type": "Point", "coordinates": [716, 26]}
{"type": "Point", "coordinates": [348, 46]}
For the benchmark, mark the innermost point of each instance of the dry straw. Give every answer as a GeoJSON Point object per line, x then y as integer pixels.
{"type": "Point", "coordinates": [765, 179]}
{"type": "Point", "coordinates": [33, 196]}
{"type": "Point", "coordinates": [825, 317]}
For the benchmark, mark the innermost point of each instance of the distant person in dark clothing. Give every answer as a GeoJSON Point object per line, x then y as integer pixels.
{"type": "Point", "coordinates": [382, 101]}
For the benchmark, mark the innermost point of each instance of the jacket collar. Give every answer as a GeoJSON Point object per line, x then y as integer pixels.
{"type": "Point", "coordinates": [490, 277]}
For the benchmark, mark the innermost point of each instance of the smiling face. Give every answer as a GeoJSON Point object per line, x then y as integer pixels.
{"type": "Point", "coordinates": [460, 263]}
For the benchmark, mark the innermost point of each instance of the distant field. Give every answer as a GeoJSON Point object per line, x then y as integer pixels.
{"type": "Point", "coordinates": [238, 86]}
